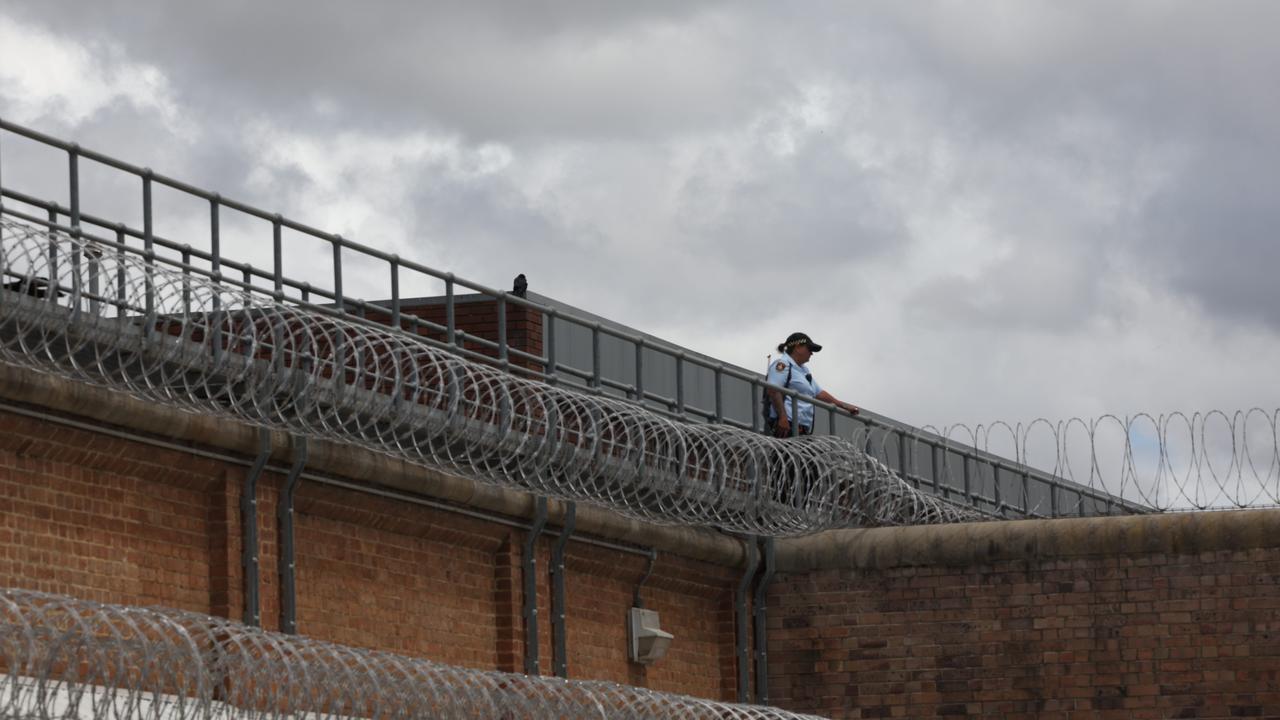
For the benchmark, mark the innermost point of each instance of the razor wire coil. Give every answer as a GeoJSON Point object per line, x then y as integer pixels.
{"type": "Point", "coordinates": [1209, 460]}
{"type": "Point", "coordinates": [69, 659]}
{"type": "Point", "coordinates": [90, 311]}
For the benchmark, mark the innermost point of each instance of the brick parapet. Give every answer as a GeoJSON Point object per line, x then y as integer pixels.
{"type": "Point", "coordinates": [1154, 617]}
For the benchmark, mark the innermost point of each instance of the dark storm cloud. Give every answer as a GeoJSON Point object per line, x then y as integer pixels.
{"type": "Point", "coordinates": [1005, 170]}
{"type": "Point", "coordinates": [487, 69]}
{"type": "Point", "coordinates": [1215, 234]}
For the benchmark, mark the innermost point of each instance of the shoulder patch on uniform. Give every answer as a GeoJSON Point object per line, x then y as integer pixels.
{"type": "Point", "coordinates": [780, 366]}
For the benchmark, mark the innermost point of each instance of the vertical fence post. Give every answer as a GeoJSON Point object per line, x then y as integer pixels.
{"type": "Point", "coordinates": [186, 279]}
{"type": "Point", "coordinates": [1026, 493]}
{"type": "Point", "coordinates": [549, 332]}
{"type": "Point", "coordinates": [277, 259]}
{"type": "Point", "coordinates": [595, 356]}
{"type": "Point", "coordinates": [215, 263]}
{"type": "Point", "coordinates": [680, 384]}
{"type": "Point", "coordinates": [934, 469]}
{"type": "Point", "coordinates": [395, 292]}
{"type": "Point", "coordinates": [502, 330]}
{"type": "Point", "coordinates": [995, 484]}
{"type": "Point", "coordinates": [719, 393]}
{"type": "Point", "coordinates": [640, 371]}
{"type": "Point", "coordinates": [122, 290]}
{"type": "Point", "coordinates": [757, 409]}
{"type": "Point", "coordinates": [338, 301]}
{"type": "Point", "coordinates": [450, 321]}
{"type": "Point", "coordinates": [968, 481]}
{"type": "Point", "coordinates": [903, 460]}
{"type": "Point", "coordinates": [73, 176]}
{"type": "Point", "coordinates": [148, 240]}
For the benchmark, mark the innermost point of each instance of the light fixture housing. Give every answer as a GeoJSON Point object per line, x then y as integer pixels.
{"type": "Point", "coordinates": [649, 642]}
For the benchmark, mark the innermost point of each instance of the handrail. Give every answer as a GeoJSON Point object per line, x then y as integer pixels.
{"type": "Point", "coordinates": [221, 269]}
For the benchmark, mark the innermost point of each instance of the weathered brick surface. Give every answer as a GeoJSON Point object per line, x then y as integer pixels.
{"type": "Point", "coordinates": [376, 573]}
{"type": "Point", "coordinates": [119, 521]}
{"type": "Point", "coordinates": [81, 515]}
{"type": "Point", "coordinates": [691, 599]}
{"type": "Point", "coordinates": [1146, 636]}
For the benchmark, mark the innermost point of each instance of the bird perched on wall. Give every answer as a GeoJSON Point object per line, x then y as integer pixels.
{"type": "Point", "coordinates": [35, 287]}
{"type": "Point", "coordinates": [520, 286]}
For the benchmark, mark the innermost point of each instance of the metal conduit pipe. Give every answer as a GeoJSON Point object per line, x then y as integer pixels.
{"type": "Point", "coordinates": [559, 610]}
{"type": "Point", "coordinates": [249, 530]}
{"type": "Point", "coordinates": [529, 563]}
{"type": "Point", "coordinates": [288, 566]}
{"type": "Point", "coordinates": [741, 634]}
{"type": "Point", "coordinates": [759, 609]}
{"type": "Point", "coordinates": [636, 600]}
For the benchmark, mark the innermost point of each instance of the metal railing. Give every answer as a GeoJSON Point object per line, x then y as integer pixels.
{"type": "Point", "coordinates": [182, 340]}
{"type": "Point", "coordinates": [1014, 490]}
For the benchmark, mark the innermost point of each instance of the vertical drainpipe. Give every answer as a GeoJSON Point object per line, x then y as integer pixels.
{"type": "Point", "coordinates": [287, 561]}
{"type": "Point", "coordinates": [636, 600]}
{"type": "Point", "coordinates": [740, 615]}
{"type": "Point", "coordinates": [249, 530]}
{"type": "Point", "coordinates": [762, 635]}
{"type": "Point", "coordinates": [530, 564]}
{"type": "Point", "coordinates": [559, 652]}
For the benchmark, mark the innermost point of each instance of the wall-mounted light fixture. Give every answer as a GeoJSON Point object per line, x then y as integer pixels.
{"type": "Point", "coordinates": [648, 641]}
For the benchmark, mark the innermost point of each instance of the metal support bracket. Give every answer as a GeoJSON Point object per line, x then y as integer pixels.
{"type": "Point", "coordinates": [740, 616]}
{"type": "Point", "coordinates": [530, 608]}
{"type": "Point", "coordinates": [249, 530]}
{"type": "Point", "coordinates": [560, 658]}
{"type": "Point", "coordinates": [287, 560]}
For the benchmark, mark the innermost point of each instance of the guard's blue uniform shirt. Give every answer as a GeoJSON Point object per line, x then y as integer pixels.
{"type": "Point", "coordinates": [801, 381]}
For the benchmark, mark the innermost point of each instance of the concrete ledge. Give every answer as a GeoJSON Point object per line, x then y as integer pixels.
{"type": "Point", "coordinates": [121, 411]}
{"type": "Point", "coordinates": [980, 543]}
{"type": "Point", "coordinates": [877, 548]}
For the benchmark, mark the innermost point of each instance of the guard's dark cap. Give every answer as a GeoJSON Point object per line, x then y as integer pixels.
{"type": "Point", "coordinates": [797, 339]}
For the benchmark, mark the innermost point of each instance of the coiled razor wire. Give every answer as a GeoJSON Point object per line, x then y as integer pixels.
{"type": "Point", "coordinates": [1178, 461]}
{"type": "Point", "coordinates": [64, 658]}
{"type": "Point", "coordinates": [89, 311]}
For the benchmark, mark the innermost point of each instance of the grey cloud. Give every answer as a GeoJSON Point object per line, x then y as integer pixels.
{"type": "Point", "coordinates": [1061, 136]}
{"type": "Point", "coordinates": [491, 70]}
{"type": "Point", "coordinates": [1215, 234]}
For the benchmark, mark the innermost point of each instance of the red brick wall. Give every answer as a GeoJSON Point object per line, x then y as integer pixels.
{"type": "Point", "coordinates": [374, 572]}
{"type": "Point", "coordinates": [118, 521]}
{"type": "Point", "coordinates": [479, 317]}
{"type": "Point", "coordinates": [80, 515]}
{"type": "Point", "coordinates": [692, 600]}
{"type": "Point", "coordinates": [1136, 636]}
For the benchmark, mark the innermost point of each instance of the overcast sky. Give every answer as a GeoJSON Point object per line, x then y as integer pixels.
{"type": "Point", "coordinates": [984, 210]}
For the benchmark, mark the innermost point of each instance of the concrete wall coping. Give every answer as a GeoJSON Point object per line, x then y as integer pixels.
{"type": "Point", "coordinates": [973, 544]}
{"type": "Point", "coordinates": [358, 464]}
{"type": "Point", "coordinates": [874, 548]}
